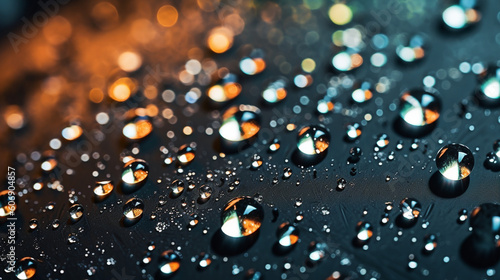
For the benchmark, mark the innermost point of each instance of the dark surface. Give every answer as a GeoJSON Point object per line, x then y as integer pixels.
{"type": "Point", "coordinates": [102, 237]}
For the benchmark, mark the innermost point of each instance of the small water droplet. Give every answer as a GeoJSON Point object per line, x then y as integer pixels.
{"type": "Point", "coordinates": [185, 155]}
{"type": "Point", "coordinates": [33, 224]}
{"type": "Point", "coordinates": [341, 184]}
{"type": "Point", "coordinates": [177, 188]}
{"type": "Point", "coordinates": [353, 131]}
{"type": "Point", "coordinates": [103, 189]}
{"type": "Point", "coordinates": [76, 212]}
{"type": "Point", "coordinates": [430, 243]}
{"type": "Point", "coordinates": [169, 262]}
{"type": "Point", "coordinates": [135, 172]}
{"type": "Point", "coordinates": [256, 162]}
{"type": "Point", "coordinates": [240, 125]}
{"type": "Point", "coordinates": [455, 161]}
{"type": "Point", "coordinates": [364, 232]}
{"type": "Point", "coordinates": [6, 208]}
{"type": "Point", "coordinates": [133, 209]}
{"type": "Point", "coordinates": [242, 216]}
{"type": "Point", "coordinates": [287, 173]}
{"type": "Point", "coordinates": [275, 91]}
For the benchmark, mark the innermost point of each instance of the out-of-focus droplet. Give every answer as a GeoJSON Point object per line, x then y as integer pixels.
{"type": "Point", "coordinates": [138, 124]}
{"type": "Point", "coordinates": [317, 251]}
{"type": "Point", "coordinates": [72, 132]}
{"type": "Point", "coordinates": [133, 209]}
{"type": "Point", "coordinates": [303, 80]}
{"type": "Point", "coordinates": [324, 106]}
{"type": "Point", "coordinates": [239, 124]}
{"type": "Point", "coordinates": [410, 209]}
{"type": "Point", "coordinates": [220, 39]}
{"type": "Point", "coordinates": [288, 235]}
{"type": "Point", "coordinates": [254, 63]}
{"type": "Point", "coordinates": [26, 268]}
{"type": "Point", "coordinates": [204, 260]}
{"type": "Point", "coordinates": [49, 162]}
{"type": "Point", "coordinates": [382, 140]}
{"type": "Point", "coordinates": [419, 108]}
{"type": "Point", "coordinates": [14, 117]}
{"type": "Point", "coordinates": [256, 162]}
{"type": "Point", "coordinates": [430, 243]}
{"type": "Point", "coordinates": [287, 173]}
{"type": "Point", "coordinates": [353, 131]}
{"type": "Point", "coordinates": [169, 263]}
{"type": "Point", "coordinates": [103, 189]}
{"type": "Point", "coordinates": [275, 91]}
{"type": "Point", "coordinates": [340, 14]}
{"type": "Point", "coordinates": [364, 231]}
{"type": "Point", "coordinates": [344, 61]}
{"type": "Point", "coordinates": [274, 146]}
{"type": "Point", "coordinates": [185, 155]}
{"type": "Point", "coordinates": [488, 90]}
{"type": "Point", "coordinates": [7, 208]}
{"type": "Point", "coordinates": [455, 161]}
{"type": "Point", "coordinates": [167, 15]}
{"type": "Point", "coordinates": [457, 17]}
{"type": "Point", "coordinates": [362, 94]}
{"type": "Point", "coordinates": [76, 212]}
{"type": "Point", "coordinates": [414, 51]}
{"type": "Point", "coordinates": [129, 61]}
{"type": "Point", "coordinates": [225, 89]}
{"type": "Point", "coordinates": [122, 89]}
{"type": "Point", "coordinates": [242, 216]}
{"type": "Point", "coordinates": [462, 216]}
{"type": "Point", "coordinates": [135, 172]}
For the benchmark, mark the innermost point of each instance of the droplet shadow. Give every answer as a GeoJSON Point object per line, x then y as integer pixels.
{"type": "Point", "coordinates": [224, 245]}
{"type": "Point", "coordinates": [446, 188]}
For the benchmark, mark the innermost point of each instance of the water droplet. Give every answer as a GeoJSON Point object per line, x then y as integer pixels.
{"type": "Point", "coordinates": [288, 235]}
{"type": "Point", "coordinates": [274, 146]}
{"type": "Point", "coordinates": [385, 219]}
{"type": "Point", "coordinates": [55, 224]}
{"type": "Point", "coordinates": [135, 172]}
{"type": "Point", "coordinates": [275, 91]}
{"type": "Point", "coordinates": [33, 224]}
{"type": "Point", "coordinates": [382, 140]}
{"type": "Point", "coordinates": [6, 208]}
{"type": "Point", "coordinates": [415, 49]}
{"type": "Point", "coordinates": [354, 155]}
{"type": "Point", "coordinates": [430, 243]}
{"type": "Point", "coordinates": [410, 210]}
{"type": "Point", "coordinates": [317, 251]}
{"type": "Point", "coordinates": [225, 89]}
{"type": "Point", "coordinates": [353, 131]}
{"type": "Point", "coordinates": [462, 216]}
{"type": "Point", "coordinates": [242, 216]}
{"type": "Point", "coordinates": [169, 262]}
{"type": "Point", "coordinates": [488, 91]}
{"type": "Point", "coordinates": [193, 220]}
{"type": "Point", "coordinates": [76, 212]}
{"type": "Point", "coordinates": [256, 162]}
{"type": "Point", "coordinates": [344, 61]}
{"type": "Point", "coordinates": [458, 17]}
{"type": "Point", "coordinates": [455, 161]}
{"type": "Point", "coordinates": [49, 162]}
{"type": "Point", "coordinates": [240, 125]}
{"type": "Point", "coordinates": [299, 216]}
{"type": "Point", "coordinates": [312, 143]}
{"type": "Point", "coordinates": [204, 260]}
{"type": "Point", "coordinates": [72, 238]}
{"type": "Point", "coordinates": [287, 173]}
{"type": "Point", "coordinates": [26, 268]}
{"type": "Point", "coordinates": [341, 184]}
{"type": "Point", "coordinates": [324, 106]}
{"type": "Point", "coordinates": [138, 124]}
{"type": "Point", "coordinates": [419, 111]}
{"type": "Point", "coordinates": [133, 209]}
{"type": "Point", "coordinates": [185, 155]}
{"type": "Point", "coordinates": [254, 63]}
{"type": "Point", "coordinates": [72, 132]}
{"type": "Point", "coordinates": [103, 189]}
{"type": "Point", "coordinates": [364, 232]}
{"type": "Point", "coordinates": [177, 188]}
{"type": "Point", "coordinates": [205, 193]}
{"type": "Point", "coordinates": [362, 94]}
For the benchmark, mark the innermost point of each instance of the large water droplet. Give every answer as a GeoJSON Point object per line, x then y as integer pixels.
{"type": "Point", "coordinates": [239, 127]}
{"type": "Point", "coordinates": [242, 216]}
{"type": "Point", "coordinates": [76, 212]}
{"type": "Point", "coordinates": [138, 124]}
{"type": "Point", "coordinates": [458, 17]}
{"type": "Point", "coordinates": [135, 172]}
{"type": "Point", "coordinates": [26, 268]}
{"type": "Point", "coordinates": [133, 209]}
{"type": "Point", "coordinates": [185, 155]}
{"type": "Point", "coordinates": [312, 144]}
{"type": "Point", "coordinates": [169, 263]}
{"type": "Point", "coordinates": [455, 161]}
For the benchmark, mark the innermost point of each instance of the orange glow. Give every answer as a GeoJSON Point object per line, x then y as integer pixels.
{"type": "Point", "coordinates": [167, 16]}
{"type": "Point", "coordinates": [208, 5]}
{"type": "Point", "coordinates": [232, 90]}
{"type": "Point", "coordinates": [152, 110]}
{"type": "Point", "coordinates": [419, 52]}
{"type": "Point", "coordinates": [281, 93]}
{"type": "Point", "coordinates": [96, 95]}
{"type": "Point", "coordinates": [14, 117]}
{"type": "Point", "coordinates": [220, 39]}
{"type": "Point", "coordinates": [356, 60]}
{"type": "Point", "coordinates": [260, 65]}
{"type": "Point", "coordinates": [122, 89]}
{"type": "Point", "coordinates": [129, 61]}
{"type": "Point", "coordinates": [150, 92]}
{"type": "Point", "coordinates": [58, 30]}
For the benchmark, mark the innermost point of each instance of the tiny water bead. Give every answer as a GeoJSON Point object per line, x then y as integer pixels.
{"type": "Point", "coordinates": [288, 235]}
{"type": "Point", "coordinates": [169, 263]}
{"type": "Point", "coordinates": [242, 216]}
{"type": "Point", "coordinates": [26, 268]}
{"type": "Point", "coordinates": [341, 184]}
{"type": "Point", "coordinates": [462, 216]}
{"type": "Point", "coordinates": [240, 123]}
{"type": "Point", "coordinates": [103, 189]}
{"type": "Point", "coordinates": [287, 173]}
{"type": "Point", "coordinates": [353, 131]}
{"type": "Point", "coordinates": [133, 209]}
{"type": "Point", "coordinates": [354, 154]}
{"type": "Point", "coordinates": [7, 208]}
{"type": "Point", "coordinates": [410, 209]}
{"type": "Point", "coordinates": [135, 172]}
{"type": "Point", "coordinates": [419, 107]}
{"type": "Point", "coordinates": [76, 212]}
{"type": "Point", "coordinates": [138, 124]}
{"type": "Point", "coordinates": [488, 90]}
{"type": "Point", "coordinates": [225, 89]}
{"type": "Point", "coordinates": [275, 91]}
{"type": "Point", "coordinates": [455, 161]}
{"type": "Point", "coordinates": [185, 155]}
{"type": "Point", "coordinates": [313, 140]}
{"type": "Point", "coordinates": [364, 231]}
